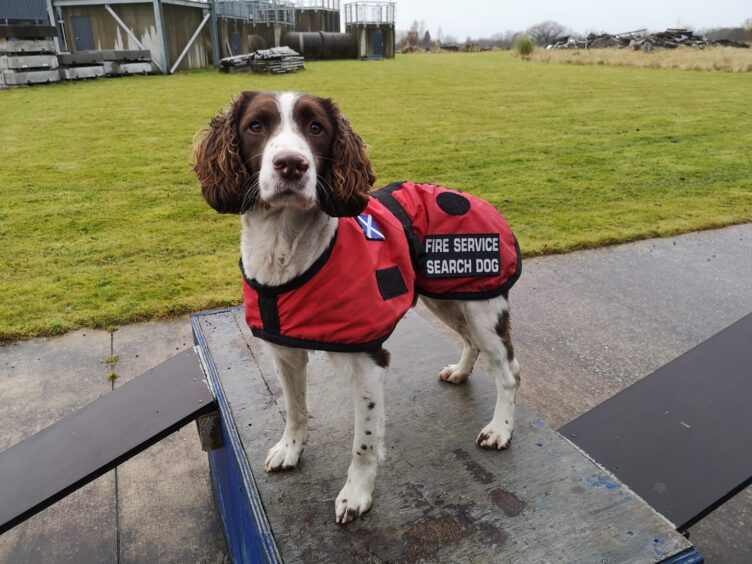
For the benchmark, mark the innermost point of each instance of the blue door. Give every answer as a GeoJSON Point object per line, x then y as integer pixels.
{"type": "Point", "coordinates": [378, 43]}
{"type": "Point", "coordinates": [82, 36]}
{"type": "Point", "coordinates": [236, 44]}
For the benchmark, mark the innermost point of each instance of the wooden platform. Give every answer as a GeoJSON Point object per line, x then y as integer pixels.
{"type": "Point", "coordinates": [438, 496]}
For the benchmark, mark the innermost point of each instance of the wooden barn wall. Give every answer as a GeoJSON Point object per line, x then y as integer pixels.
{"type": "Point", "coordinates": [317, 20]}
{"type": "Point", "coordinates": [180, 23]}
{"type": "Point", "coordinates": [108, 34]}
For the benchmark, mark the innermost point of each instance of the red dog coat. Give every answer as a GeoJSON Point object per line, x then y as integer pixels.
{"type": "Point", "coordinates": [410, 238]}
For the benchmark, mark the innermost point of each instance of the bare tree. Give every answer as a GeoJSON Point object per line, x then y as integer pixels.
{"type": "Point", "coordinates": [545, 32]}
{"type": "Point", "coordinates": [504, 40]}
{"type": "Point", "coordinates": [412, 36]}
{"type": "Point", "coordinates": [748, 24]}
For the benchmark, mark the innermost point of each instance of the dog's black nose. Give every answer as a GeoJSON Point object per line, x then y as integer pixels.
{"type": "Point", "coordinates": [290, 166]}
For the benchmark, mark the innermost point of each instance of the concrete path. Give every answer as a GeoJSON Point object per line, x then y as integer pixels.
{"type": "Point", "coordinates": [586, 325]}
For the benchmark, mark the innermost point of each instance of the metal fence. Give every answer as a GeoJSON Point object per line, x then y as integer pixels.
{"type": "Point", "coordinates": [369, 13]}
{"type": "Point", "coordinates": [318, 4]}
{"type": "Point", "coordinates": [24, 10]}
{"type": "Point", "coordinates": [257, 11]}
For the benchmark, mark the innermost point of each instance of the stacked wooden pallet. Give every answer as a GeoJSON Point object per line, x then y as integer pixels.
{"type": "Point", "coordinates": [278, 60]}
{"type": "Point", "coordinates": [27, 55]}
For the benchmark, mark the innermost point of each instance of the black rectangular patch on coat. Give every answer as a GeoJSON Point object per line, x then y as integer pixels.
{"type": "Point", "coordinates": [390, 282]}
{"type": "Point", "coordinates": [459, 256]}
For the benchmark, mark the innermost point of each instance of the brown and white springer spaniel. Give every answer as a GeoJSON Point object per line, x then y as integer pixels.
{"type": "Point", "coordinates": [290, 164]}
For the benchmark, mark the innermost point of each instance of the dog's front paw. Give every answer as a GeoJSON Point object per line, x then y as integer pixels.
{"type": "Point", "coordinates": [352, 502]}
{"type": "Point", "coordinates": [454, 374]}
{"type": "Point", "coordinates": [495, 436]}
{"type": "Point", "coordinates": [284, 455]}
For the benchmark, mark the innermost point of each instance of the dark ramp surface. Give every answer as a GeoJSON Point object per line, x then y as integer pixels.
{"type": "Point", "coordinates": [680, 437]}
{"type": "Point", "coordinates": [58, 460]}
{"type": "Point", "coordinates": [438, 496]}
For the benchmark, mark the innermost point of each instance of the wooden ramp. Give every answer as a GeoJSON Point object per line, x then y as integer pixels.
{"type": "Point", "coordinates": [438, 496]}
{"type": "Point", "coordinates": [79, 448]}
{"type": "Point", "coordinates": [680, 437]}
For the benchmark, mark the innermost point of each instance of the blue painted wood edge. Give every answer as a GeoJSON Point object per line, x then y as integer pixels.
{"type": "Point", "coordinates": [247, 530]}
{"type": "Point", "coordinates": [689, 556]}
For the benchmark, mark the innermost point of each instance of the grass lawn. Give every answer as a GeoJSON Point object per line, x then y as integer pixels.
{"type": "Point", "coordinates": [102, 222]}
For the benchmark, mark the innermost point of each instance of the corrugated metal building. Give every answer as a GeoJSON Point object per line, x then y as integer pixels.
{"type": "Point", "coordinates": [12, 11]}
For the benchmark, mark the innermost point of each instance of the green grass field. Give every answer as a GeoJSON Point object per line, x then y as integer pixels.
{"type": "Point", "coordinates": [102, 222]}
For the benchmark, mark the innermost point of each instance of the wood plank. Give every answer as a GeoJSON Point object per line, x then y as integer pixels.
{"type": "Point", "coordinates": [438, 496]}
{"type": "Point", "coordinates": [680, 436]}
{"type": "Point", "coordinates": [58, 460]}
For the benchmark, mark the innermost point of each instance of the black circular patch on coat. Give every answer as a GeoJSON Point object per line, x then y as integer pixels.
{"type": "Point", "coordinates": [453, 203]}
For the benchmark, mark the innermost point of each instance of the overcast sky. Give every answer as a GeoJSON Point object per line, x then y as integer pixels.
{"type": "Point", "coordinates": [481, 18]}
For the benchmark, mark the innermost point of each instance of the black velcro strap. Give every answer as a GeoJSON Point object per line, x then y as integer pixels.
{"type": "Point", "coordinates": [269, 313]}
{"type": "Point", "coordinates": [390, 282]}
{"type": "Point", "coordinates": [384, 195]}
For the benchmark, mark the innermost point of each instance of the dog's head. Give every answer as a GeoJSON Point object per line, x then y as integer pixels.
{"type": "Point", "coordinates": [283, 150]}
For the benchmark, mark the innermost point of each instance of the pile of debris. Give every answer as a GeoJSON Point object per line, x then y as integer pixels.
{"type": "Point", "coordinates": [669, 39]}
{"type": "Point", "coordinates": [673, 38]}
{"type": "Point", "coordinates": [278, 60]}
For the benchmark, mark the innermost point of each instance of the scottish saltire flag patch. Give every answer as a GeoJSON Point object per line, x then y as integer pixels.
{"type": "Point", "coordinates": [371, 230]}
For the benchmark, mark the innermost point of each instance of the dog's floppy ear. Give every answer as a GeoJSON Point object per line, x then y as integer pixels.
{"type": "Point", "coordinates": [217, 162]}
{"type": "Point", "coordinates": [350, 175]}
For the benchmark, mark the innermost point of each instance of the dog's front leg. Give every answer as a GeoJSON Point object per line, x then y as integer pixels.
{"type": "Point", "coordinates": [367, 374]}
{"type": "Point", "coordinates": [291, 371]}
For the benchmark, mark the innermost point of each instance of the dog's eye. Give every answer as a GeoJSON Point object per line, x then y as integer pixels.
{"type": "Point", "coordinates": [315, 128]}
{"type": "Point", "coordinates": [256, 126]}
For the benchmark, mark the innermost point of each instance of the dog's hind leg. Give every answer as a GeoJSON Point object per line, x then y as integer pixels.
{"type": "Point", "coordinates": [452, 314]}
{"type": "Point", "coordinates": [291, 371]}
{"type": "Point", "coordinates": [367, 374]}
{"type": "Point", "coordinates": [489, 328]}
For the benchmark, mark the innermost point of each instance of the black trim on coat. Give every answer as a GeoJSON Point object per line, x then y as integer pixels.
{"type": "Point", "coordinates": [269, 311]}
{"type": "Point", "coordinates": [320, 345]}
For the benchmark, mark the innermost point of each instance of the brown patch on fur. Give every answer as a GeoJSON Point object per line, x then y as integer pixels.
{"type": "Point", "coordinates": [504, 331]}
{"type": "Point", "coordinates": [220, 169]}
{"type": "Point", "coordinates": [350, 174]}
{"type": "Point", "coordinates": [381, 357]}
